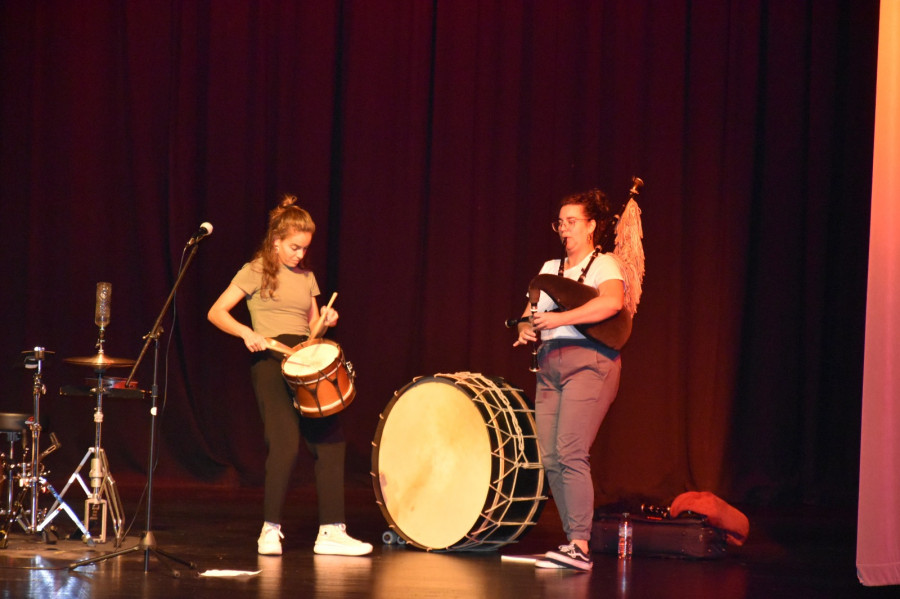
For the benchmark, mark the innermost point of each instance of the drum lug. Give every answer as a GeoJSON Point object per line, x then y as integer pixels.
{"type": "Point", "coordinates": [351, 372]}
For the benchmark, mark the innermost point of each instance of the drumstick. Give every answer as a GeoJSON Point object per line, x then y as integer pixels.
{"type": "Point", "coordinates": [278, 346]}
{"type": "Point", "coordinates": [321, 320]}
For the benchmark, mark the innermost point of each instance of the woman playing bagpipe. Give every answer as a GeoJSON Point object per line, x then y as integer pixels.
{"type": "Point", "coordinates": [578, 364]}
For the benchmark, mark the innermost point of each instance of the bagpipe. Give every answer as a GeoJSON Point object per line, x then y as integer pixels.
{"type": "Point", "coordinates": [567, 294]}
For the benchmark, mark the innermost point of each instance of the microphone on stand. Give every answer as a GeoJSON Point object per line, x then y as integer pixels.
{"type": "Point", "coordinates": [206, 229]}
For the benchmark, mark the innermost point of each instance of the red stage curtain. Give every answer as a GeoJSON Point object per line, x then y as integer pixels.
{"type": "Point", "coordinates": [431, 141]}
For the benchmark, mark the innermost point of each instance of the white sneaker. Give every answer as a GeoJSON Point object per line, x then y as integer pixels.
{"type": "Point", "coordinates": [334, 540]}
{"type": "Point", "coordinates": [269, 542]}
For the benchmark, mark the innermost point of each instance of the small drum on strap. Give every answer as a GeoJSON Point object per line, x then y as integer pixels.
{"type": "Point", "coordinates": [322, 381]}
{"type": "Point", "coordinates": [456, 465]}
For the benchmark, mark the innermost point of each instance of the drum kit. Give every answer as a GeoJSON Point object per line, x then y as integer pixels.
{"type": "Point", "coordinates": [24, 470]}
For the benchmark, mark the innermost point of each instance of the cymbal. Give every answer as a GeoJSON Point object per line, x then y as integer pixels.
{"type": "Point", "coordinates": [99, 362]}
{"type": "Point", "coordinates": [30, 357]}
{"type": "Point", "coordinates": [13, 422]}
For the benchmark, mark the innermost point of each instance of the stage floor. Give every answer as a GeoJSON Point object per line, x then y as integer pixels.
{"type": "Point", "coordinates": [787, 555]}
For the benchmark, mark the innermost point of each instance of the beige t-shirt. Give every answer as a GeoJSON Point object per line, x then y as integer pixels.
{"type": "Point", "coordinates": [288, 311]}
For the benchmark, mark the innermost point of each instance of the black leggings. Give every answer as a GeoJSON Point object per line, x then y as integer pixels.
{"type": "Point", "coordinates": [283, 426]}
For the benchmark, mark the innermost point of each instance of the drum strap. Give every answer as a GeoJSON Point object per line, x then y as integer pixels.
{"type": "Point", "coordinates": [584, 271]}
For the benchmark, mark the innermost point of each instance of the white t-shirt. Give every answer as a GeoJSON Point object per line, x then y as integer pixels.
{"type": "Point", "coordinates": [603, 269]}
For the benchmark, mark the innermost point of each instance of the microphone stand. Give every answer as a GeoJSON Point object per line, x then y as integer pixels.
{"type": "Point", "coordinates": [148, 540]}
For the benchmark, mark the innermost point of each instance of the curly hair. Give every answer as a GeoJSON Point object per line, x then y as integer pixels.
{"type": "Point", "coordinates": [595, 206]}
{"type": "Point", "coordinates": [284, 220]}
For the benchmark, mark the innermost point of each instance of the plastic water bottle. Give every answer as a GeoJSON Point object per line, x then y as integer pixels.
{"type": "Point", "coordinates": [625, 533]}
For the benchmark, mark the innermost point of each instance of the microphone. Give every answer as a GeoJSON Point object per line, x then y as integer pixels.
{"type": "Point", "coordinates": [205, 229]}
{"type": "Point", "coordinates": [101, 309]}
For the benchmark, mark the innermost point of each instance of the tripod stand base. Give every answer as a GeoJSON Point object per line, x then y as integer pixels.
{"type": "Point", "coordinates": [19, 514]}
{"type": "Point", "coordinates": [103, 500]}
{"type": "Point", "coordinates": [148, 546]}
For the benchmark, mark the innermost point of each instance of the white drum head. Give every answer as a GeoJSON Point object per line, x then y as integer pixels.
{"type": "Point", "coordinates": [434, 462]}
{"type": "Point", "coordinates": [310, 360]}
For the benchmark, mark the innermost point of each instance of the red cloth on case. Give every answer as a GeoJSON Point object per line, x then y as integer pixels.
{"type": "Point", "coordinates": [719, 513]}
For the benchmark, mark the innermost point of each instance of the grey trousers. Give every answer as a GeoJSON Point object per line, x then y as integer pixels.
{"type": "Point", "coordinates": [576, 385]}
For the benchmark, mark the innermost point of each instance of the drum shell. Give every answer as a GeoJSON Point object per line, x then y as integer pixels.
{"type": "Point", "coordinates": [325, 391]}
{"type": "Point", "coordinates": [515, 490]}
{"type": "Point", "coordinates": [13, 450]}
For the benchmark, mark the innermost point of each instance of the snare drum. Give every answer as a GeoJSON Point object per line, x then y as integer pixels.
{"type": "Point", "coordinates": [456, 464]}
{"type": "Point", "coordinates": [320, 378]}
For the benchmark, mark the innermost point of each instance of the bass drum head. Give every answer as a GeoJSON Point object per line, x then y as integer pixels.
{"type": "Point", "coordinates": [432, 460]}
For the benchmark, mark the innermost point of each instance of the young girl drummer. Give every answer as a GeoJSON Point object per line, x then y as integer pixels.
{"type": "Point", "coordinates": [281, 297]}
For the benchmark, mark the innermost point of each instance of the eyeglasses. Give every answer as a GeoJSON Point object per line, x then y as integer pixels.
{"type": "Point", "coordinates": [568, 222]}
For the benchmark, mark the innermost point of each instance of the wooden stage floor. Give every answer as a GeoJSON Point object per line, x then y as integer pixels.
{"type": "Point", "coordinates": [787, 555]}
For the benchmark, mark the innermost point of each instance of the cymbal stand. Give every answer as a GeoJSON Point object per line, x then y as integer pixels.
{"type": "Point", "coordinates": [148, 541]}
{"type": "Point", "coordinates": [103, 496]}
{"type": "Point", "coordinates": [31, 480]}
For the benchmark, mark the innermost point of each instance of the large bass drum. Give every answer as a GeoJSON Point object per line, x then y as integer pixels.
{"type": "Point", "coordinates": [456, 465]}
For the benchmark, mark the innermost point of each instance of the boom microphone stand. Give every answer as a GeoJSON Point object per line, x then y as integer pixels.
{"type": "Point", "coordinates": [148, 540]}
